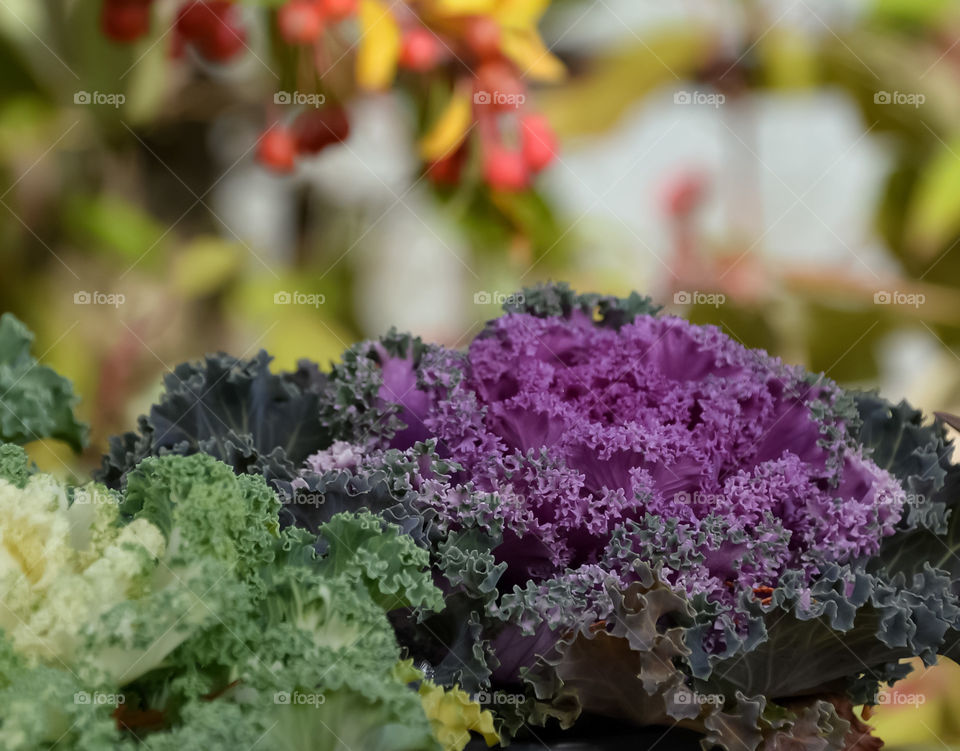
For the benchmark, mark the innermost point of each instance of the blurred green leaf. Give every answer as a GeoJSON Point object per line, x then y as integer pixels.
{"type": "Point", "coordinates": [789, 59]}
{"type": "Point", "coordinates": [24, 126]}
{"type": "Point", "coordinates": [748, 326]}
{"type": "Point", "coordinates": [112, 225]}
{"type": "Point", "coordinates": [147, 92]}
{"type": "Point", "coordinates": [843, 343]}
{"type": "Point", "coordinates": [933, 214]}
{"type": "Point", "coordinates": [17, 77]}
{"type": "Point", "coordinates": [595, 101]}
{"type": "Point", "coordinates": [911, 12]}
{"type": "Point", "coordinates": [205, 266]}
{"type": "Point", "coordinates": [294, 326]}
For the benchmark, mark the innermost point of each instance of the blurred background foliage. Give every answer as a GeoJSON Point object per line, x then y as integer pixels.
{"type": "Point", "coordinates": [789, 171]}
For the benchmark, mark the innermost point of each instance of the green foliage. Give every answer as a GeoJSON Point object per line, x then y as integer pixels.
{"type": "Point", "coordinates": [183, 602]}
{"type": "Point", "coordinates": [912, 13]}
{"type": "Point", "coordinates": [35, 402]}
{"type": "Point", "coordinates": [381, 558]}
{"type": "Point", "coordinates": [14, 465]}
{"type": "Point", "coordinates": [233, 409]}
{"type": "Point", "coordinates": [114, 226]}
{"type": "Point", "coordinates": [933, 215]}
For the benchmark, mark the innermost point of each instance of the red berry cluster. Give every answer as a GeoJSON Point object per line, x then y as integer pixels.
{"type": "Point", "coordinates": [515, 143]}
{"type": "Point", "coordinates": [507, 168]}
{"type": "Point", "coordinates": [308, 134]}
{"type": "Point", "coordinates": [125, 20]}
{"type": "Point", "coordinates": [214, 28]}
{"type": "Point", "coordinates": [303, 21]}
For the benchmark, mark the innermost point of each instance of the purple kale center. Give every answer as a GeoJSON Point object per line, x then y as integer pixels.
{"type": "Point", "coordinates": [662, 441]}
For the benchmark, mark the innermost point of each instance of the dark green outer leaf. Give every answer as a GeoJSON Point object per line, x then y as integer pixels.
{"type": "Point", "coordinates": [558, 299]}
{"type": "Point", "coordinates": [235, 410]}
{"type": "Point", "coordinates": [35, 402]}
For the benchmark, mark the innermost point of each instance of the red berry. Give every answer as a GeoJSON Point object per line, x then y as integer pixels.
{"type": "Point", "coordinates": [504, 169]}
{"type": "Point", "coordinates": [125, 20]}
{"type": "Point", "coordinates": [277, 149]}
{"type": "Point", "coordinates": [225, 39]}
{"type": "Point", "coordinates": [420, 50]}
{"type": "Point", "coordinates": [483, 36]}
{"type": "Point", "coordinates": [314, 130]}
{"type": "Point", "coordinates": [683, 191]}
{"type": "Point", "coordinates": [223, 43]}
{"type": "Point", "coordinates": [337, 10]}
{"type": "Point", "coordinates": [300, 22]}
{"type": "Point", "coordinates": [214, 27]}
{"type": "Point", "coordinates": [193, 19]}
{"type": "Point", "coordinates": [447, 171]}
{"type": "Point", "coordinates": [538, 142]}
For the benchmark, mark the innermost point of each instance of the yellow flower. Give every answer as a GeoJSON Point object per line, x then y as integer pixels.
{"type": "Point", "coordinates": [452, 714]}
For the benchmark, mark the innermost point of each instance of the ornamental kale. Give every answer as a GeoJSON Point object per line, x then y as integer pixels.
{"type": "Point", "coordinates": [35, 402]}
{"type": "Point", "coordinates": [622, 512]}
{"type": "Point", "coordinates": [179, 616]}
{"type": "Point", "coordinates": [582, 429]}
{"type": "Point", "coordinates": [233, 409]}
{"type": "Point", "coordinates": [596, 448]}
{"type": "Point", "coordinates": [655, 438]}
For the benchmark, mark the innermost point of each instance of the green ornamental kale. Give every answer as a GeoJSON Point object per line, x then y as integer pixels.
{"type": "Point", "coordinates": [179, 616]}
{"type": "Point", "coordinates": [35, 402]}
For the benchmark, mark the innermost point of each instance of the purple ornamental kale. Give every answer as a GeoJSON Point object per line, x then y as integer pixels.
{"type": "Point", "coordinates": [660, 440]}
